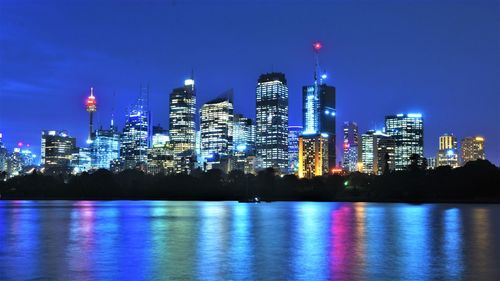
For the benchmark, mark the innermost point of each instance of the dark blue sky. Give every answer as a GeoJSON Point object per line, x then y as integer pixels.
{"type": "Point", "coordinates": [441, 58]}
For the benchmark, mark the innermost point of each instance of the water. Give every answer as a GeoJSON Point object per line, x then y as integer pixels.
{"type": "Point", "coordinates": [157, 240]}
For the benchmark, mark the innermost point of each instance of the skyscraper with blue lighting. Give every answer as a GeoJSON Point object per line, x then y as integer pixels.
{"type": "Point", "coordinates": [318, 114]}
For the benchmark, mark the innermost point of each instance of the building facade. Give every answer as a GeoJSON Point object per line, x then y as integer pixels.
{"type": "Point", "coordinates": [407, 130]}
{"type": "Point", "coordinates": [56, 152]}
{"type": "Point", "coordinates": [448, 151]}
{"type": "Point", "coordinates": [472, 148]}
{"type": "Point", "coordinates": [293, 148]}
{"type": "Point", "coordinates": [182, 126]}
{"type": "Point", "coordinates": [313, 156]}
{"type": "Point", "coordinates": [271, 136]}
{"type": "Point", "coordinates": [351, 146]}
{"type": "Point", "coordinates": [216, 126]}
{"type": "Point", "coordinates": [105, 148]}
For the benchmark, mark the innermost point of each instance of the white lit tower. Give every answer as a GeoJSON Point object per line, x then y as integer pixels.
{"type": "Point", "coordinates": [91, 107]}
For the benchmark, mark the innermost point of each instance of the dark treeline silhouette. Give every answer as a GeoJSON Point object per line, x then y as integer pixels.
{"type": "Point", "coordinates": [477, 181]}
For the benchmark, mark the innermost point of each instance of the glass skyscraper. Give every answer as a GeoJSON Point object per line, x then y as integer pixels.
{"type": "Point", "coordinates": [136, 133]}
{"type": "Point", "coordinates": [182, 116]}
{"type": "Point", "coordinates": [216, 126]}
{"type": "Point", "coordinates": [293, 148]}
{"type": "Point", "coordinates": [105, 148]}
{"type": "Point", "coordinates": [271, 140]}
{"type": "Point", "coordinates": [351, 146]}
{"type": "Point", "coordinates": [407, 131]}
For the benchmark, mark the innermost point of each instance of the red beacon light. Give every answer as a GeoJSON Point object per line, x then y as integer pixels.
{"type": "Point", "coordinates": [20, 144]}
{"type": "Point", "coordinates": [317, 46]}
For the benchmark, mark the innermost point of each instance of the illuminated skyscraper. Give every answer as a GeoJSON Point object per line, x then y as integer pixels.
{"type": "Point", "coordinates": [408, 133]}
{"type": "Point", "coordinates": [161, 159]}
{"type": "Point", "coordinates": [369, 152]}
{"type": "Point", "coordinates": [472, 149]}
{"type": "Point", "coordinates": [243, 142]}
{"type": "Point", "coordinates": [377, 153]}
{"type": "Point", "coordinates": [57, 149]}
{"type": "Point", "coordinates": [351, 146]}
{"type": "Point", "coordinates": [448, 153]}
{"type": "Point", "coordinates": [135, 139]}
{"type": "Point", "coordinates": [271, 137]}
{"type": "Point", "coordinates": [313, 155]}
{"type": "Point", "coordinates": [91, 107]}
{"type": "Point", "coordinates": [216, 126]}
{"type": "Point", "coordinates": [182, 117]}
{"type": "Point", "coordinates": [105, 148]}
{"type": "Point", "coordinates": [293, 148]}
{"type": "Point", "coordinates": [3, 155]}
{"type": "Point", "coordinates": [318, 107]}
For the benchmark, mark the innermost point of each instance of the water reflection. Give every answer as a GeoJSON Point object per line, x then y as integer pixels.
{"type": "Point", "coordinates": [121, 240]}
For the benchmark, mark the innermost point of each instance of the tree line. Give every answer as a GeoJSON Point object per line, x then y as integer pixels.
{"type": "Point", "coordinates": [477, 181]}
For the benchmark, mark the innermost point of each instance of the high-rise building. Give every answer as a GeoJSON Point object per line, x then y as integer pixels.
{"type": "Point", "coordinates": [377, 153]}
{"type": "Point", "coordinates": [182, 127]}
{"type": "Point", "coordinates": [91, 107]}
{"type": "Point", "coordinates": [386, 147]}
{"type": "Point", "coordinates": [160, 136]}
{"type": "Point", "coordinates": [369, 150]}
{"type": "Point", "coordinates": [351, 146]}
{"type": "Point", "coordinates": [448, 152]}
{"type": "Point", "coordinates": [216, 126]}
{"type": "Point", "coordinates": [293, 148]}
{"type": "Point", "coordinates": [81, 160]}
{"type": "Point", "coordinates": [407, 131]}
{"type": "Point", "coordinates": [105, 148]}
{"type": "Point", "coordinates": [243, 142]}
{"type": "Point", "coordinates": [161, 159]}
{"type": "Point", "coordinates": [57, 149]}
{"type": "Point", "coordinates": [431, 163]}
{"type": "Point", "coordinates": [313, 155]}
{"type": "Point", "coordinates": [135, 139]}
{"type": "Point", "coordinates": [3, 155]}
{"type": "Point", "coordinates": [472, 149]}
{"type": "Point", "coordinates": [319, 110]}
{"type": "Point", "coordinates": [271, 136]}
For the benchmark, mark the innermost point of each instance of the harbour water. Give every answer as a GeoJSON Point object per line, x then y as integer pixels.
{"type": "Point", "coordinates": [165, 240]}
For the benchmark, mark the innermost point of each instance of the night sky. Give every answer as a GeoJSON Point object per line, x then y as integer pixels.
{"type": "Point", "coordinates": [440, 58]}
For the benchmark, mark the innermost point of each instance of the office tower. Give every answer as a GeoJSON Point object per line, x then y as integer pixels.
{"type": "Point", "coordinates": [243, 135]}
{"type": "Point", "coordinates": [3, 155]}
{"type": "Point", "coordinates": [386, 147]}
{"type": "Point", "coordinates": [293, 148]}
{"type": "Point", "coordinates": [57, 149]}
{"type": "Point", "coordinates": [350, 146]}
{"type": "Point", "coordinates": [105, 148]}
{"type": "Point", "coordinates": [313, 155]}
{"type": "Point", "coordinates": [182, 125]}
{"type": "Point", "coordinates": [271, 136]}
{"type": "Point", "coordinates": [318, 107]}
{"type": "Point", "coordinates": [472, 149]}
{"type": "Point", "coordinates": [448, 153]}
{"type": "Point", "coordinates": [243, 142]}
{"type": "Point", "coordinates": [216, 126]}
{"type": "Point", "coordinates": [81, 160]}
{"type": "Point", "coordinates": [91, 107]}
{"type": "Point", "coordinates": [135, 139]}
{"type": "Point", "coordinates": [377, 152]}
{"type": "Point", "coordinates": [161, 159]}
{"type": "Point", "coordinates": [408, 133]}
{"type": "Point", "coordinates": [369, 152]}
{"type": "Point", "coordinates": [159, 136]}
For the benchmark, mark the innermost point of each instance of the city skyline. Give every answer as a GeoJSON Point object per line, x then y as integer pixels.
{"type": "Point", "coordinates": [437, 91]}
